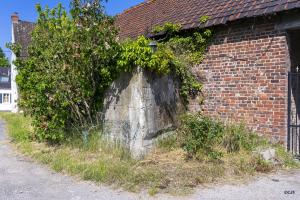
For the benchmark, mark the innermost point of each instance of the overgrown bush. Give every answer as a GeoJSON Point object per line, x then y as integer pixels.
{"type": "Point", "coordinates": [72, 60]}
{"type": "Point", "coordinates": [199, 135]}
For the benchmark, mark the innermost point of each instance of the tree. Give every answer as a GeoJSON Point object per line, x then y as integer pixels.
{"type": "Point", "coordinates": [3, 60]}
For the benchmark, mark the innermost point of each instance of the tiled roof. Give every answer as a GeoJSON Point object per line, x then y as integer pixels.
{"type": "Point", "coordinates": [5, 72]}
{"type": "Point", "coordinates": [140, 19]}
{"type": "Point", "coordinates": [22, 31]}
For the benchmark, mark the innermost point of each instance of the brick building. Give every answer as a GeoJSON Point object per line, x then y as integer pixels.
{"type": "Point", "coordinates": [255, 46]}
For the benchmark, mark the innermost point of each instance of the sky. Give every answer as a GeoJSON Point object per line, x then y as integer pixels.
{"type": "Point", "coordinates": [26, 10]}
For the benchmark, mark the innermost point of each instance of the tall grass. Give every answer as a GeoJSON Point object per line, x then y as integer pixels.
{"type": "Point", "coordinates": [180, 162]}
{"type": "Point", "coordinates": [18, 127]}
{"type": "Point", "coordinates": [97, 160]}
{"type": "Point", "coordinates": [205, 138]}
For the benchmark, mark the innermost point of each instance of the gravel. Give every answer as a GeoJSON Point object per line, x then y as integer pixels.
{"type": "Point", "coordinates": [23, 179]}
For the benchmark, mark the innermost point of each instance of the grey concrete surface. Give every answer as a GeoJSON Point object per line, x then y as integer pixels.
{"type": "Point", "coordinates": [280, 186]}
{"type": "Point", "coordinates": [139, 107]}
{"type": "Point", "coordinates": [23, 179]}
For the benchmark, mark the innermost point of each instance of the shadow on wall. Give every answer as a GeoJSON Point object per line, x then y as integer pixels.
{"type": "Point", "coordinates": [141, 106]}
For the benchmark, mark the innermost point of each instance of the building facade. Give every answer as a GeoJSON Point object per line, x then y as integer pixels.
{"type": "Point", "coordinates": [21, 31]}
{"type": "Point", "coordinates": [255, 49]}
{"type": "Point", "coordinates": [5, 89]}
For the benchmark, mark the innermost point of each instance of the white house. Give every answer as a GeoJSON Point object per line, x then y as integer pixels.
{"type": "Point", "coordinates": [5, 90]}
{"type": "Point", "coordinates": [21, 31]}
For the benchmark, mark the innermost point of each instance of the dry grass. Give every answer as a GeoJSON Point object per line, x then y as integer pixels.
{"type": "Point", "coordinates": [165, 170]}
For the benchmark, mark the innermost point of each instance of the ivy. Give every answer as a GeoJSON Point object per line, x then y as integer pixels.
{"type": "Point", "coordinates": [138, 53]}
{"type": "Point", "coordinates": [168, 27]}
{"type": "Point", "coordinates": [177, 52]}
{"type": "Point", "coordinates": [203, 19]}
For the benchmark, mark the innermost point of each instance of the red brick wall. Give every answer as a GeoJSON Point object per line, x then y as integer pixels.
{"type": "Point", "coordinates": [246, 77]}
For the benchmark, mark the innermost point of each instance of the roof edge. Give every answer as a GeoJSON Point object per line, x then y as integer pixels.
{"type": "Point", "coordinates": [135, 7]}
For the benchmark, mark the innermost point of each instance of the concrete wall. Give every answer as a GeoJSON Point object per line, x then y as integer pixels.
{"type": "Point", "coordinates": [139, 107]}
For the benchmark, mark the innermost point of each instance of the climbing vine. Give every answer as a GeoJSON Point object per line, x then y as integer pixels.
{"type": "Point", "coordinates": [178, 50]}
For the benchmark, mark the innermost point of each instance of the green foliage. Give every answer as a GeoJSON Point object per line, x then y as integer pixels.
{"type": "Point", "coordinates": [285, 157]}
{"type": "Point", "coordinates": [168, 28]}
{"type": "Point", "coordinates": [261, 165]}
{"type": "Point", "coordinates": [176, 53]}
{"type": "Point", "coordinates": [163, 61]}
{"type": "Point", "coordinates": [203, 19]}
{"type": "Point", "coordinates": [3, 60]}
{"type": "Point", "coordinates": [72, 60]}
{"type": "Point", "coordinates": [18, 127]}
{"type": "Point", "coordinates": [237, 137]}
{"type": "Point", "coordinates": [189, 48]}
{"type": "Point", "coordinates": [200, 135]}
{"type": "Point", "coordinates": [169, 142]}
{"type": "Point", "coordinates": [138, 53]}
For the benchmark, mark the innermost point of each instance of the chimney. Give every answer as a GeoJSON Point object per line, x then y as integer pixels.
{"type": "Point", "coordinates": [15, 17]}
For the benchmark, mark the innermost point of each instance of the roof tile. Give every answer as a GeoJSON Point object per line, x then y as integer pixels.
{"type": "Point", "coordinates": [140, 19]}
{"type": "Point", "coordinates": [22, 33]}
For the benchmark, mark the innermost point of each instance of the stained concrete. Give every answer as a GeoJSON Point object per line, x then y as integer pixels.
{"type": "Point", "coordinates": [139, 107]}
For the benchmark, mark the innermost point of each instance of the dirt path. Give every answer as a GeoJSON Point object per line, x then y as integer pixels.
{"type": "Point", "coordinates": [22, 179]}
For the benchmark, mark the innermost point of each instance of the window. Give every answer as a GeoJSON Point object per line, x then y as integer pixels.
{"type": "Point", "coordinates": [5, 98]}
{"type": "Point", "coordinates": [4, 79]}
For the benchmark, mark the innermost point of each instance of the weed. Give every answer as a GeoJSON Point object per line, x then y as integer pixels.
{"type": "Point", "coordinates": [237, 137]}
{"type": "Point", "coordinates": [200, 134]}
{"type": "Point", "coordinates": [169, 142]}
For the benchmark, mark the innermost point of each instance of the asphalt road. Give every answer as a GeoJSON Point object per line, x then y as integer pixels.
{"type": "Point", "coordinates": [23, 179]}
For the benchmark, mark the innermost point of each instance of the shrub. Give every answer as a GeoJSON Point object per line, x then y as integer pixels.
{"type": "Point", "coordinates": [199, 135]}
{"type": "Point", "coordinates": [71, 62]}
{"type": "Point", "coordinates": [202, 136]}
{"type": "Point", "coordinates": [237, 137]}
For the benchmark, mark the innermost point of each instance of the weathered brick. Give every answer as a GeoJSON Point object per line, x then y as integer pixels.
{"type": "Point", "coordinates": [246, 77]}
